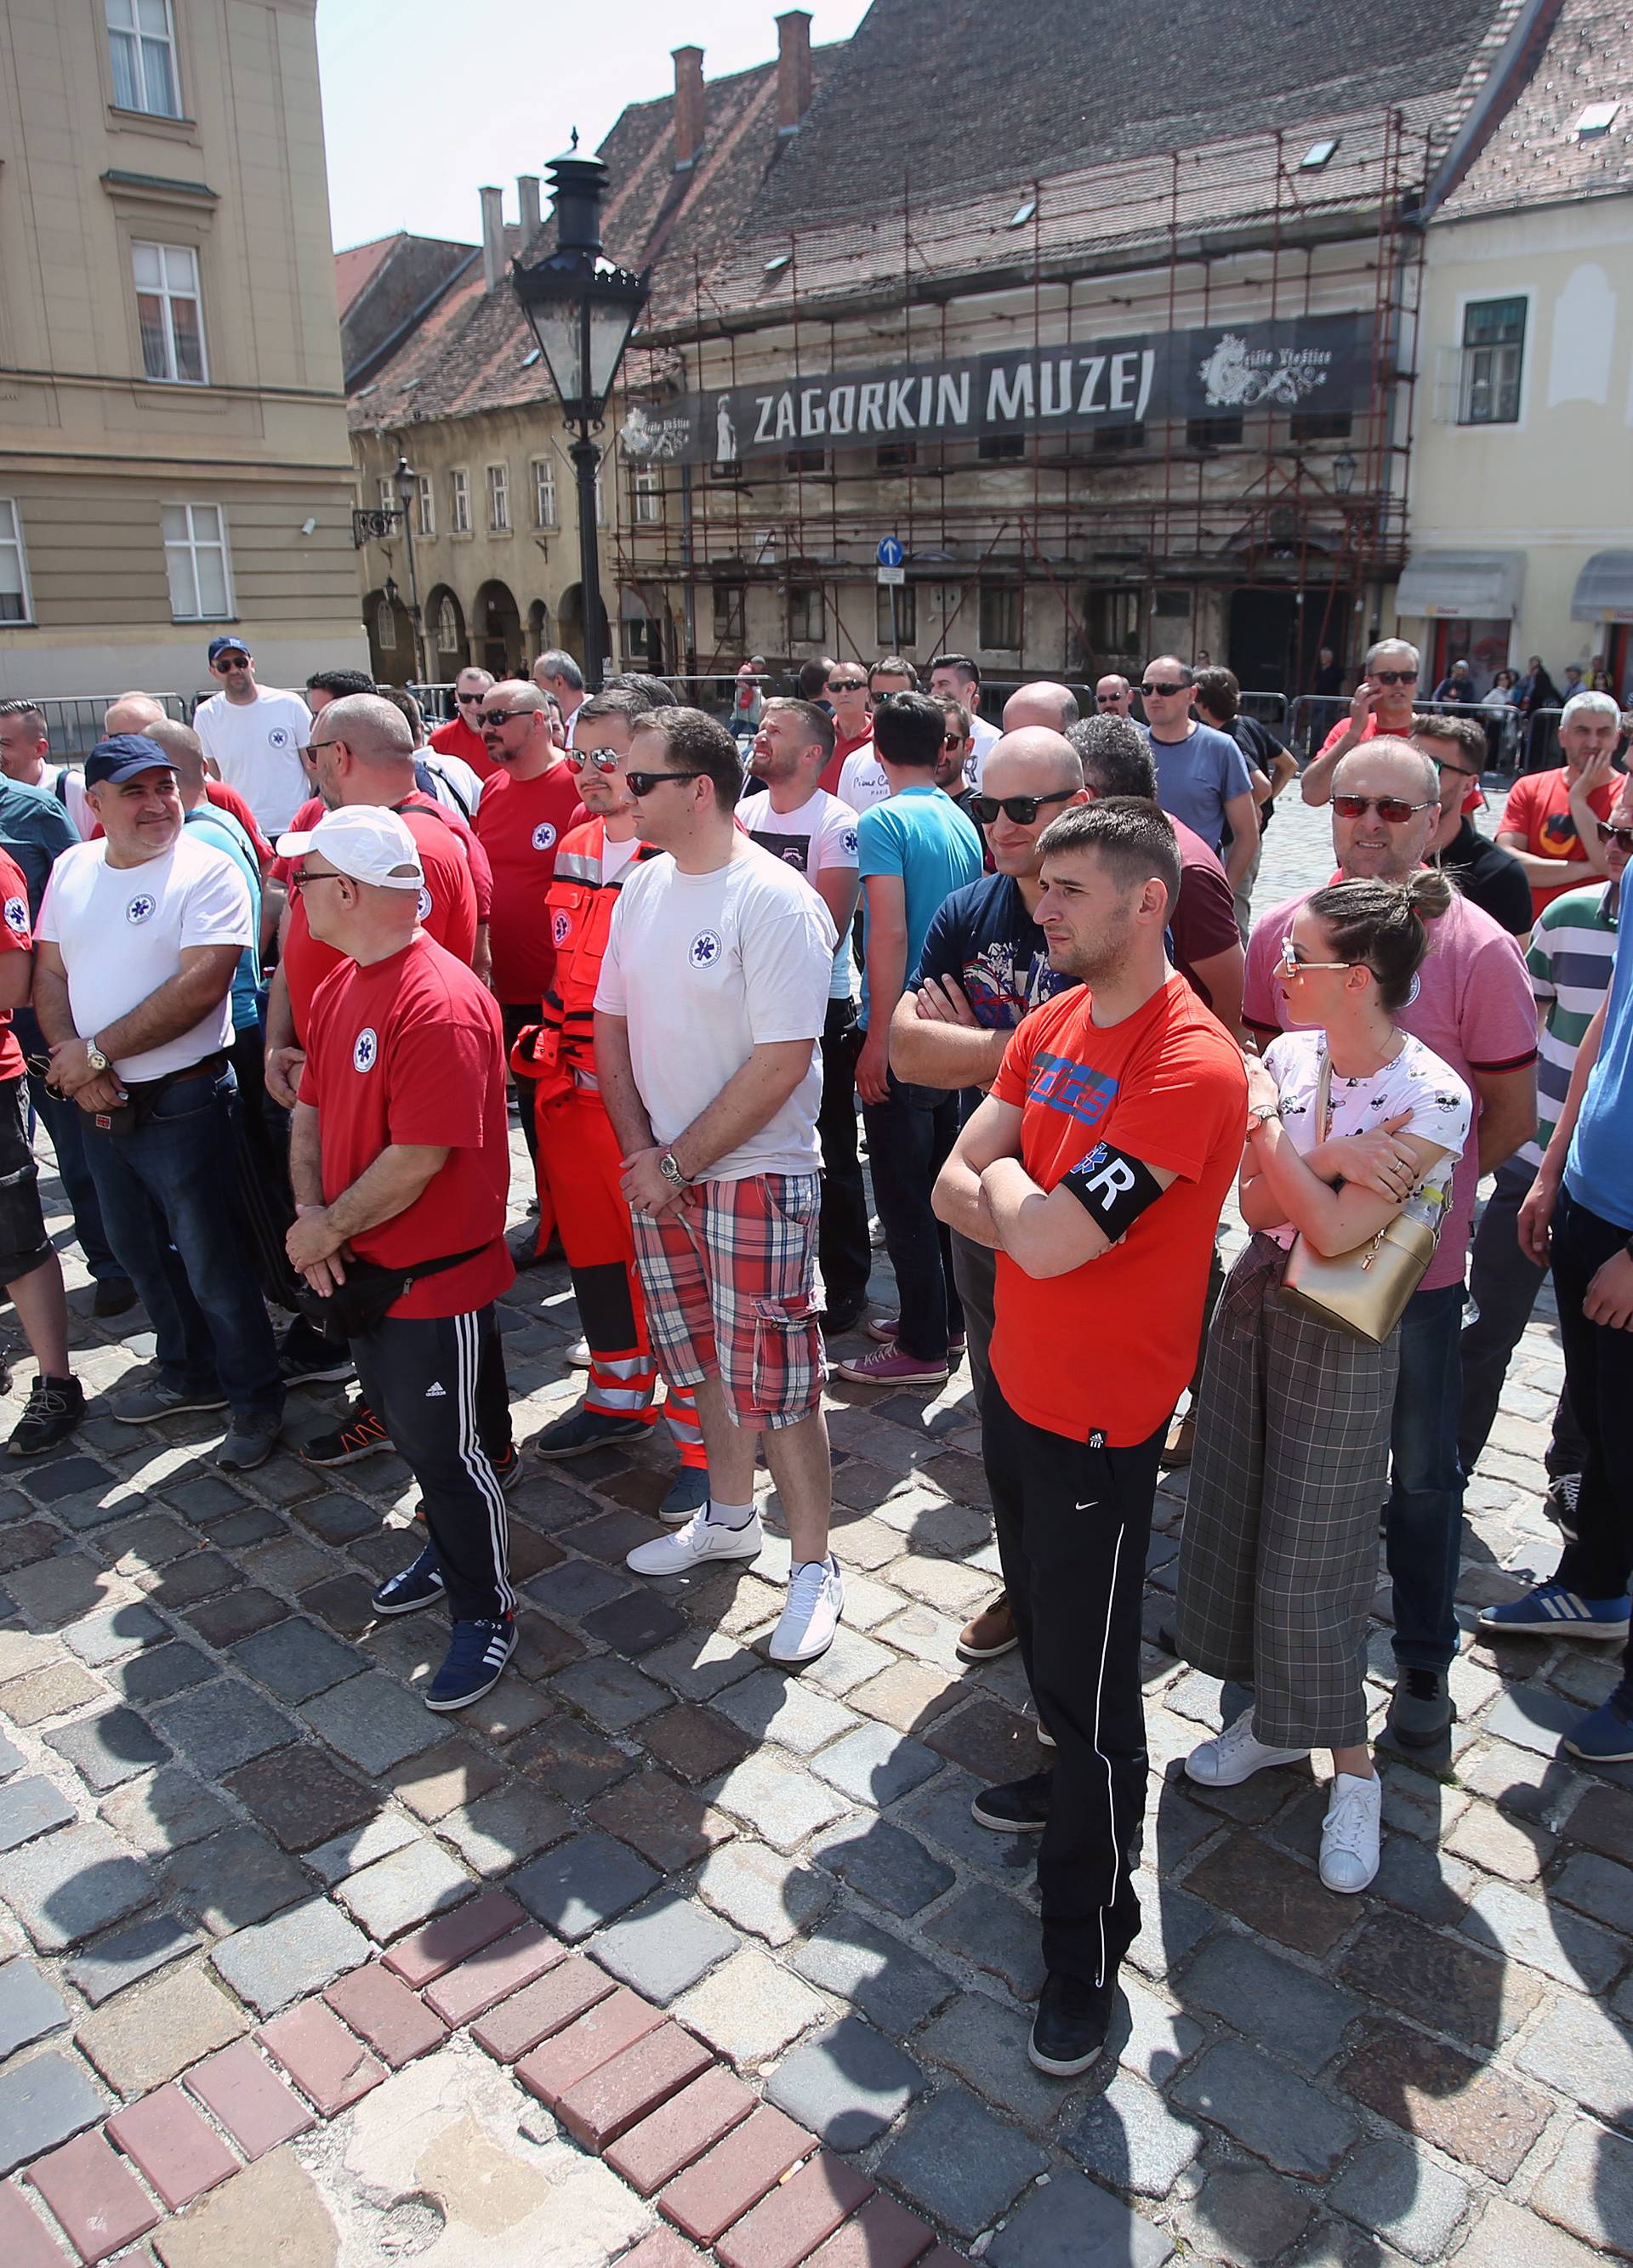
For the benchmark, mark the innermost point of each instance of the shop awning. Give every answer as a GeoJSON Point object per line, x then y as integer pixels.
{"type": "Point", "coordinates": [1604, 592]}
{"type": "Point", "coordinates": [1467, 586]}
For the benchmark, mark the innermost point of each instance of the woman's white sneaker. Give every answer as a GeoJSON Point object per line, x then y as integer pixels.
{"type": "Point", "coordinates": [690, 1546]}
{"type": "Point", "coordinates": [808, 1623]}
{"type": "Point", "coordinates": [1350, 1832]}
{"type": "Point", "coordinates": [1235, 1755]}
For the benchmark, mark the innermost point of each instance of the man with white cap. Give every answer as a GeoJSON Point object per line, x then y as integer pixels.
{"type": "Point", "coordinates": [400, 1160]}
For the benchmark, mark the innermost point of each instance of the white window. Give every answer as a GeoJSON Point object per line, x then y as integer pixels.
{"type": "Point", "coordinates": [387, 494]}
{"type": "Point", "coordinates": [643, 498]}
{"type": "Point", "coordinates": [195, 559]}
{"type": "Point", "coordinates": [169, 313]}
{"type": "Point", "coordinates": [1494, 346]}
{"type": "Point", "coordinates": [15, 604]}
{"type": "Point", "coordinates": [142, 42]}
{"type": "Point", "coordinates": [459, 503]}
{"type": "Point", "coordinates": [428, 502]}
{"type": "Point", "coordinates": [499, 499]}
{"type": "Point", "coordinates": [543, 492]}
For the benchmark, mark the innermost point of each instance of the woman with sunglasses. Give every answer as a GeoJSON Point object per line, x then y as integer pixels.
{"type": "Point", "coordinates": [1280, 1550]}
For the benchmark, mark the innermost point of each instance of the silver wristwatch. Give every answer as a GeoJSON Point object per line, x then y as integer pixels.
{"type": "Point", "coordinates": [670, 1171]}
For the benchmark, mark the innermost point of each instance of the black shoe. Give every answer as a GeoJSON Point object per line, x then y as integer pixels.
{"type": "Point", "coordinates": [522, 1243]}
{"type": "Point", "coordinates": [55, 1406]}
{"type": "Point", "coordinates": [833, 1322]}
{"type": "Point", "coordinates": [115, 1295]}
{"type": "Point", "coordinates": [1421, 1714]}
{"type": "Point", "coordinates": [306, 1357]}
{"type": "Point", "coordinates": [360, 1433]}
{"type": "Point", "coordinates": [1068, 2031]}
{"type": "Point", "coordinates": [1021, 1807]}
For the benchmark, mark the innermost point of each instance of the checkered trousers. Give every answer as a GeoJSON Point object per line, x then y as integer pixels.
{"type": "Point", "coordinates": [730, 1283]}
{"type": "Point", "coordinates": [1280, 1551]}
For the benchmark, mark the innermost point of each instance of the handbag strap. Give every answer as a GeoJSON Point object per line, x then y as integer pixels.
{"type": "Point", "coordinates": [1324, 1126]}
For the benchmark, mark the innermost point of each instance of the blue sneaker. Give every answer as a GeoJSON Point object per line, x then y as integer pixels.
{"type": "Point", "coordinates": [418, 1586]}
{"type": "Point", "coordinates": [475, 1664]}
{"type": "Point", "coordinates": [1550, 1610]}
{"type": "Point", "coordinates": [689, 1492]}
{"type": "Point", "coordinates": [1604, 1738]}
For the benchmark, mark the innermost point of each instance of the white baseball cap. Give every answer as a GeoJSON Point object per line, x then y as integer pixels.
{"type": "Point", "coordinates": [364, 841]}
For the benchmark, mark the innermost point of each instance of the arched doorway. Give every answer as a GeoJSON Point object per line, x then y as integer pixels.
{"type": "Point", "coordinates": [570, 622]}
{"type": "Point", "coordinates": [497, 626]}
{"type": "Point", "coordinates": [538, 628]}
{"type": "Point", "coordinates": [445, 635]}
{"type": "Point", "coordinates": [390, 636]}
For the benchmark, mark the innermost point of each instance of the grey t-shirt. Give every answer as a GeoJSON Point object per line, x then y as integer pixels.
{"type": "Point", "coordinates": [1197, 777]}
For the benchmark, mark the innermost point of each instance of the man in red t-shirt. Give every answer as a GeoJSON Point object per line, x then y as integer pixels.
{"type": "Point", "coordinates": [1096, 1167]}
{"type": "Point", "coordinates": [461, 735]}
{"type": "Point", "coordinates": [846, 689]}
{"type": "Point", "coordinates": [400, 1156]}
{"type": "Point", "coordinates": [527, 808]}
{"type": "Point", "coordinates": [1382, 703]}
{"type": "Point", "coordinates": [1551, 820]}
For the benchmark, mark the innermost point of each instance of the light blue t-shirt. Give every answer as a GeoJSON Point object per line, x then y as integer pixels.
{"type": "Point", "coordinates": [220, 828]}
{"type": "Point", "coordinates": [922, 836]}
{"type": "Point", "coordinates": [1598, 1172]}
{"type": "Point", "coordinates": [1196, 778]}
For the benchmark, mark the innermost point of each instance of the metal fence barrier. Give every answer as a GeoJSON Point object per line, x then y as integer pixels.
{"type": "Point", "coordinates": [1514, 743]}
{"type": "Point", "coordinates": [74, 720]}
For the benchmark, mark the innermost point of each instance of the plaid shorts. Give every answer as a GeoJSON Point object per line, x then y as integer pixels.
{"type": "Point", "coordinates": [729, 1278]}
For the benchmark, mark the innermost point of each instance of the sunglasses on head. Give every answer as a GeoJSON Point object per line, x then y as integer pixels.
{"type": "Point", "coordinates": [1394, 677]}
{"type": "Point", "coordinates": [1394, 808]}
{"type": "Point", "coordinates": [605, 760]}
{"type": "Point", "coordinates": [1621, 837]}
{"type": "Point", "coordinates": [1163, 692]}
{"type": "Point", "coordinates": [643, 782]}
{"type": "Point", "coordinates": [1019, 810]}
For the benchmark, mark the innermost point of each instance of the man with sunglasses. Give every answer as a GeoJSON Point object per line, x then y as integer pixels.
{"type": "Point", "coordinates": [254, 736]}
{"type": "Point", "coordinates": [956, 676]}
{"type": "Point", "coordinates": [846, 686]}
{"type": "Point", "coordinates": [1549, 820]}
{"type": "Point", "coordinates": [1489, 878]}
{"type": "Point", "coordinates": [1382, 702]}
{"type": "Point", "coordinates": [1201, 775]}
{"type": "Point", "coordinates": [1474, 1009]}
{"type": "Point", "coordinates": [1113, 696]}
{"type": "Point", "coordinates": [461, 735]}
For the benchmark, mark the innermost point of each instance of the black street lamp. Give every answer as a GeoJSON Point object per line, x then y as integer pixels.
{"type": "Point", "coordinates": [405, 480]}
{"type": "Point", "coordinates": [582, 309]}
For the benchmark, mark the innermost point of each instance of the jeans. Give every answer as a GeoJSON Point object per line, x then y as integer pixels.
{"type": "Point", "coordinates": [909, 1138]}
{"type": "Point", "coordinates": [516, 1017]}
{"type": "Point", "coordinates": [1599, 1370]}
{"type": "Point", "coordinates": [1425, 1520]}
{"type": "Point", "coordinates": [64, 1123]}
{"type": "Point", "coordinates": [170, 1204]}
{"type": "Point", "coordinates": [975, 1274]}
{"type": "Point", "coordinates": [1503, 1287]}
{"type": "Point", "coordinates": [843, 1252]}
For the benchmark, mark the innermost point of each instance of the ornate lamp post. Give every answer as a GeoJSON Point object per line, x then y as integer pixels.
{"type": "Point", "coordinates": [582, 309]}
{"type": "Point", "coordinates": [405, 480]}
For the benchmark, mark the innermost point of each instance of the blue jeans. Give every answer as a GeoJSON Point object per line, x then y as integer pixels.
{"type": "Point", "coordinates": [909, 1138]}
{"type": "Point", "coordinates": [170, 1205]}
{"type": "Point", "coordinates": [1425, 1529]}
{"type": "Point", "coordinates": [65, 1123]}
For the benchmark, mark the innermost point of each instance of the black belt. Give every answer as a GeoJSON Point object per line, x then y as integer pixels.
{"type": "Point", "coordinates": [146, 1089]}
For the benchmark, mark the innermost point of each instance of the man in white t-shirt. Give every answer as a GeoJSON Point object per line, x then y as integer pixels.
{"type": "Point", "coordinates": [815, 834]}
{"type": "Point", "coordinates": [25, 757]}
{"type": "Point", "coordinates": [712, 996]}
{"type": "Point", "coordinates": [956, 675]}
{"type": "Point", "coordinates": [254, 736]}
{"type": "Point", "coordinates": [137, 943]}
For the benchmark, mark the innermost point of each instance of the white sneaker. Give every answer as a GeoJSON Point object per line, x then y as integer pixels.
{"type": "Point", "coordinates": [808, 1623]}
{"type": "Point", "coordinates": [690, 1546]}
{"type": "Point", "coordinates": [1350, 1832]}
{"type": "Point", "coordinates": [1236, 1756]}
{"type": "Point", "coordinates": [578, 1355]}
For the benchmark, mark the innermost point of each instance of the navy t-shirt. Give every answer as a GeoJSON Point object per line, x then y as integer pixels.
{"type": "Point", "coordinates": [983, 938]}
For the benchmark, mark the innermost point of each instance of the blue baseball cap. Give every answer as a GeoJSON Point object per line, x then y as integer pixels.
{"type": "Point", "coordinates": [122, 757]}
{"type": "Point", "coordinates": [220, 645]}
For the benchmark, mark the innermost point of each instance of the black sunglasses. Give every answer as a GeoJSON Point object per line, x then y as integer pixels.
{"type": "Point", "coordinates": [605, 760]}
{"type": "Point", "coordinates": [845, 685]}
{"type": "Point", "coordinates": [231, 661]}
{"type": "Point", "coordinates": [1394, 677]}
{"type": "Point", "coordinates": [504, 716]}
{"type": "Point", "coordinates": [1166, 691]}
{"type": "Point", "coordinates": [1621, 837]}
{"type": "Point", "coordinates": [1019, 810]}
{"type": "Point", "coordinates": [465, 699]}
{"type": "Point", "coordinates": [643, 782]}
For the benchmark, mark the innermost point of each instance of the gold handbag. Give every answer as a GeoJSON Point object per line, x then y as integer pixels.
{"type": "Point", "coordinates": [1364, 1293]}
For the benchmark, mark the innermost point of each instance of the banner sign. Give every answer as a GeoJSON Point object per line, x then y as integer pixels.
{"type": "Point", "coordinates": [1315, 362]}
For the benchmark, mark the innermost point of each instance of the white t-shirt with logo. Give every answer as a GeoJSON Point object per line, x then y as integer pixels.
{"type": "Point", "coordinates": [706, 968]}
{"type": "Point", "coordinates": [818, 837]}
{"type": "Point", "coordinates": [255, 746]}
{"type": "Point", "coordinates": [121, 931]}
{"type": "Point", "coordinates": [66, 783]}
{"type": "Point", "coordinates": [862, 781]}
{"type": "Point", "coordinates": [986, 737]}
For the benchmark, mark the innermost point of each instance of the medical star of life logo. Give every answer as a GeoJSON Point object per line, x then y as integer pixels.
{"type": "Point", "coordinates": [366, 1051]}
{"type": "Point", "coordinates": [17, 915]}
{"type": "Point", "coordinates": [704, 949]}
{"type": "Point", "coordinates": [425, 903]}
{"type": "Point", "coordinates": [139, 910]}
{"type": "Point", "coordinates": [544, 836]}
{"type": "Point", "coordinates": [560, 926]}
{"type": "Point", "coordinates": [850, 838]}
{"type": "Point", "coordinates": [280, 737]}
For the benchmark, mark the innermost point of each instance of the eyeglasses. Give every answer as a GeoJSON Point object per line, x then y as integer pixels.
{"type": "Point", "coordinates": [1394, 808]}
{"type": "Point", "coordinates": [303, 881]}
{"type": "Point", "coordinates": [1164, 692]}
{"type": "Point", "coordinates": [471, 700]}
{"type": "Point", "coordinates": [231, 661]}
{"type": "Point", "coordinates": [1394, 676]}
{"type": "Point", "coordinates": [845, 685]}
{"type": "Point", "coordinates": [1106, 700]}
{"type": "Point", "coordinates": [314, 750]}
{"type": "Point", "coordinates": [1621, 837]}
{"type": "Point", "coordinates": [504, 716]}
{"type": "Point", "coordinates": [952, 739]}
{"type": "Point", "coordinates": [1019, 810]}
{"type": "Point", "coordinates": [1444, 764]}
{"type": "Point", "coordinates": [643, 782]}
{"type": "Point", "coordinates": [1290, 964]}
{"type": "Point", "coordinates": [605, 760]}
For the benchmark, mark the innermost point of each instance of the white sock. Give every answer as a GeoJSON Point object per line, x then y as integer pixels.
{"type": "Point", "coordinates": [729, 1515]}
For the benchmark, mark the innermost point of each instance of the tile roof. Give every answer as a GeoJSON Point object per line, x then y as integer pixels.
{"type": "Point", "coordinates": [353, 267]}
{"type": "Point", "coordinates": [1535, 156]}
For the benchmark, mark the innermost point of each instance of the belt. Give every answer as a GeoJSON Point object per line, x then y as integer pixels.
{"type": "Point", "coordinates": [208, 1067]}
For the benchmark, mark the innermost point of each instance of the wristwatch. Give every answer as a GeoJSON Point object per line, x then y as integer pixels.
{"type": "Point", "coordinates": [670, 1171]}
{"type": "Point", "coordinates": [96, 1059]}
{"type": "Point", "coordinates": [1264, 1112]}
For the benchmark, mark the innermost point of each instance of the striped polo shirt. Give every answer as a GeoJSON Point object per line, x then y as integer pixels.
{"type": "Point", "coordinates": [1572, 948]}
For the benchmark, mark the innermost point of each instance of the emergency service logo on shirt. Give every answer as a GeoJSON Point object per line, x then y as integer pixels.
{"type": "Point", "coordinates": [279, 736]}
{"type": "Point", "coordinates": [544, 836]}
{"type": "Point", "coordinates": [425, 903]}
{"type": "Point", "coordinates": [704, 949]}
{"type": "Point", "coordinates": [560, 926]}
{"type": "Point", "coordinates": [140, 910]}
{"type": "Point", "coordinates": [366, 1048]}
{"type": "Point", "coordinates": [17, 915]}
{"type": "Point", "coordinates": [850, 840]}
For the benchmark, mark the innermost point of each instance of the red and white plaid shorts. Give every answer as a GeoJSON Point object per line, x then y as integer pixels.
{"type": "Point", "coordinates": [730, 1279]}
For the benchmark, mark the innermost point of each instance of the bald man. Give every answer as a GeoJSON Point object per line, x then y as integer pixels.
{"type": "Point", "coordinates": [132, 713]}
{"type": "Point", "coordinates": [1043, 703]}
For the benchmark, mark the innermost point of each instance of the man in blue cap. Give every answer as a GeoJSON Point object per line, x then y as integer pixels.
{"type": "Point", "coordinates": [253, 735]}
{"type": "Point", "coordinates": [138, 939]}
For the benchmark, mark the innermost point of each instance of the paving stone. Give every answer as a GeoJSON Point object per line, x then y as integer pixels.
{"type": "Point", "coordinates": [372, 1722]}
{"type": "Point", "coordinates": [499, 1830]}
{"type": "Point", "coordinates": [1518, 1849]}
{"type": "Point", "coordinates": [150, 2033]}
{"type": "Point", "coordinates": [27, 1808]}
{"type": "Point", "coordinates": [1530, 1717]}
{"type": "Point", "coordinates": [611, 1692]}
{"type": "Point", "coordinates": [1246, 2212]}
{"type": "Point", "coordinates": [750, 2009]}
{"type": "Point", "coordinates": [883, 2235]}
{"type": "Point", "coordinates": [221, 1725]}
{"type": "Point", "coordinates": [851, 1660]}
{"type": "Point", "coordinates": [762, 1891]}
{"type": "Point", "coordinates": [994, 1932]}
{"type": "Point", "coordinates": [1072, 2223]}
{"type": "Point", "coordinates": [397, 1892]}
{"type": "Point", "coordinates": [301, 1797]}
{"type": "Point", "coordinates": [128, 1954]}
{"type": "Point", "coordinates": [846, 2084]}
{"type": "Point", "coordinates": [337, 1519]}
{"type": "Point", "coordinates": [104, 1638]}
{"type": "Point", "coordinates": [1425, 1881]}
{"type": "Point", "coordinates": [200, 1575]}
{"type": "Point", "coordinates": [159, 1672]}
{"type": "Point", "coordinates": [1273, 1895]}
{"type": "Point", "coordinates": [634, 1624]}
{"type": "Point", "coordinates": [851, 1956]}
{"type": "Point", "coordinates": [1603, 1819]}
{"type": "Point", "coordinates": [234, 1878]}
{"type": "Point", "coordinates": [1473, 1996]}
{"type": "Point", "coordinates": [30, 2006]}
{"type": "Point", "coordinates": [1471, 2112]}
{"type": "Point", "coordinates": [671, 1825]}
{"type": "Point", "coordinates": [705, 2200]}
{"type": "Point", "coordinates": [1399, 2192]}
{"type": "Point", "coordinates": [295, 1658]}
{"type": "Point", "coordinates": [1588, 2189]}
{"type": "Point", "coordinates": [940, 1812]}
{"type": "Point", "coordinates": [299, 1951]}
{"type": "Point", "coordinates": [69, 1886]}
{"type": "Point", "coordinates": [627, 2088]}
{"type": "Point", "coordinates": [581, 1884]}
{"type": "Point", "coordinates": [68, 1476]}
{"type": "Point", "coordinates": [1597, 1886]}
{"type": "Point", "coordinates": [783, 1806]}
{"type": "Point", "coordinates": [908, 1695]}
{"type": "Point", "coordinates": [344, 1602]}
{"type": "Point", "coordinates": [1268, 2109]}
{"type": "Point", "coordinates": [382, 2010]}
{"type": "Point", "coordinates": [1504, 2235]}
{"type": "Point", "coordinates": [885, 1863]}
{"type": "Point", "coordinates": [661, 2250]}
{"type": "Point", "coordinates": [100, 2205]}
{"type": "Point", "coordinates": [439, 1780]}
{"type": "Point", "coordinates": [570, 1757]}
{"type": "Point", "coordinates": [1301, 2017]}
{"type": "Point", "coordinates": [492, 1973]}
{"type": "Point", "coordinates": [517, 2024]}
{"type": "Point", "coordinates": [986, 1738]}
{"type": "Point", "coordinates": [43, 2103]}
{"type": "Point", "coordinates": [556, 2065]}
{"type": "Point", "coordinates": [665, 1946]}
{"type": "Point", "coordinates": [109, 1748]}
{"type": "Point", "coordinates": [654, 2151]}
{"type": "Point", "coordinates": [177, 2150]}
{"type": "Point", "coordinates": [49, 1692]}
{"type": "Point", "coordinates": [357, 1847]}
{"type": "Point", "coordinates": [960, 2164]}
{"type": "Point", "coordinates": [577, 1587]}
{"type": "Point", "coordinates": [876, 1765]}
{"type": "Point", "coordinates": [810, 2204]}
{"type": "Point", "coordinates": [1130, 2139]}
{"type": "Point", "coordinates": [772, 1706]}
{"type": "Point", "coordinates": [63, 1590]}
{"type": "Point", "coordinates": [322, 2058]}
{"type": "Point", "coordinates": [1580, 2049]}
{"type": "Point", "coordinates": [695, 1742]}
{"type": "Point", "coordinates": [702, 1663]}
{"type": "Point", "coordinates": [228, 2229]}
{"type": "Point", "coordinates": [241, 2089]}
{"type": "Point", "coordinates": [1546, 1936]}
{"type": "Point", "coordinates": [453, 1937]}
{"type": "Point", "coordinates": [236, 1614]}
{"type": "Point", "coordinates": [986, 2044]}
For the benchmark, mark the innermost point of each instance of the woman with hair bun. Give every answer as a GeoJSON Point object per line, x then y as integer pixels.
{"type": "Point", "coordinates": [1279, 1552]}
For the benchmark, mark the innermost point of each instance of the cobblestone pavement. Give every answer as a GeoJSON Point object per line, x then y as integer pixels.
{"type": "Point", "coordinates": [658, 1955]}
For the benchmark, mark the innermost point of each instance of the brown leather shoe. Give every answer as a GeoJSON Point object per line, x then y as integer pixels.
{"type": "Point", "coordinates": [992, 1632]}
{"type": "Point", "coordinates": [1180, 1443]}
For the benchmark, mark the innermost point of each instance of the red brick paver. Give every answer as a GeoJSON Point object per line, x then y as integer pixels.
{"type": "Point", "coordinates": [692, 2122]}
{"type": "Point", "coordinates": [25, 2245]}
{"type": "Point", "coordinates": [325, 2061]}
{"type": "Point", "coordinates": [258, 2110]}
{"type": "Point", "coordinates": [427, 1953]}
{"type": "Point", "coordinates": [883, 2235]}
{"type": "Point", "coordinates": [93, 2193]}
{"type": "Point", "coordinates": [720, 2189]}
{"type": "Point", "coordinates": [178, 2151]}
{"type": "Point", "coordinates": [528, 2017]}
{"type": "Point", "coordinates": [571, 2054]}
{"type": "Point", "coordinates": [383, 2010]}
{"type": "Point", "coordinates": [784, 2227]}
{"type": "Point", "coordinates": [622, 2092]}
{"type": "Point", "coordinates": [501, 1969]}
{"type": "Point", "coordinates": [661, 2250]}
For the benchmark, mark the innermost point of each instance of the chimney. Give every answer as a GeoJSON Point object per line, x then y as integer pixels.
{"type": "Point", "coordinates": [527, 206]}
{"type": "Point", "coordinates": [688, 104]}
{"type": "Point", "coordinates": [492, 238]}
{"type": "Point", "coordinates": [793, 69]}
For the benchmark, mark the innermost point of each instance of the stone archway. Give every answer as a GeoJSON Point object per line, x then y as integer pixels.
{"type": "Point", "coordinates": [448, 647]}
{"type": "Point", "coordinates": [497, 630]}
{"type": "Point", "coordinates": [390, 638]}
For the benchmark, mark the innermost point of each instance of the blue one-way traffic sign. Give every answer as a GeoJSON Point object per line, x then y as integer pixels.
{"type": "Point", "coordinates": [890, 553]}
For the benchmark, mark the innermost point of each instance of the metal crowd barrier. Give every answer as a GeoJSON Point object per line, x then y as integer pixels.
{"type": "Point", "coordinates": [74, 720]}
{"type": "Point", "coordinates": [1514, 742]}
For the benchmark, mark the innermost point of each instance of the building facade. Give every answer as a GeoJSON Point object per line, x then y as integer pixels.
{"type": "Point", "coordinates": [173, 456]}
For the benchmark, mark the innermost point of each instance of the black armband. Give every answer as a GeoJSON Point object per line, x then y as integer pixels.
{"type": "Point", "coordinates": [1115, 1188]}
